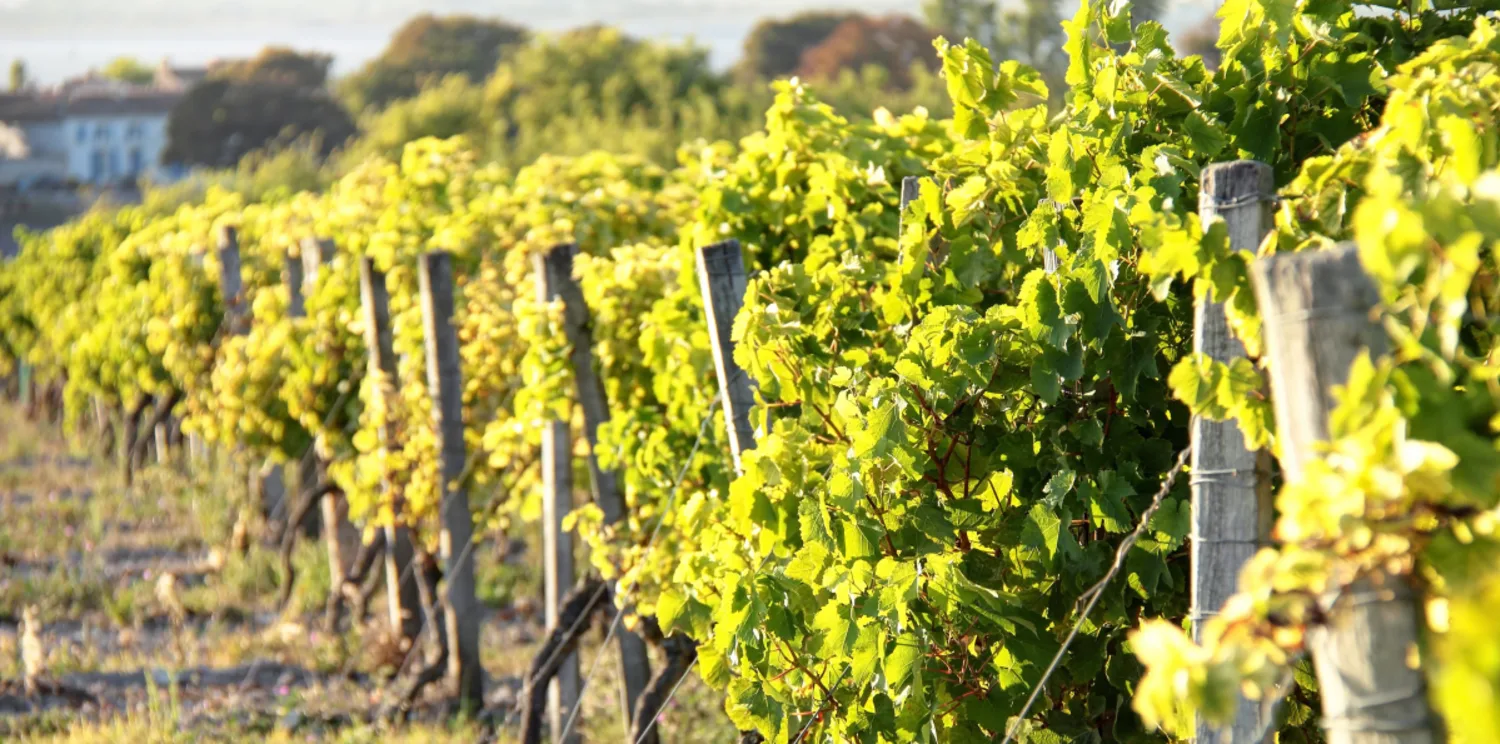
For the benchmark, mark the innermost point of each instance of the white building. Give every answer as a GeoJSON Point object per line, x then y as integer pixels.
{"type": "Point", "coordinates": [92, 131]}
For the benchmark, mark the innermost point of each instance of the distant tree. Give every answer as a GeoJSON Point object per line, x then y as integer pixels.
{"type": "Point", "coordinates": [774, 47]}
{"type": "Point", "coordinates": [129, 70]}
{"type": "Point", "coordinates": [275, 98]}
{"type": "Point", "coordinates": [1203, 39]}
{"type": "Point", "coordinates": [597, 88]}
{"type": "Point", "coordinates": [426, 50]}
{"type": "Point", "coordinates": [454, 107]}
{"type": "Point", "coordinates": [280, 66]}
{"type": "Point", "coordinates": [1146, 10]}
{"type": "Point", "coordinates": [857, 94]}
{"type": "Point", "coordinates": [1032, 33]}
{"type": "Point", "coordinates": [17, 75]}
{"type": "Point", "coordinates": [1029, 32]}
{"type": "Point", "coordinates": [963, 19]}
{"type": "Point", "coordinates": [893, 43]}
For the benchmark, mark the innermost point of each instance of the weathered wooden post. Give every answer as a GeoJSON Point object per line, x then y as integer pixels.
{"type": "Point", "coordinates": [403, 598]}
{"type": "Point", "coordinates": [197, 448]}
{"type": "Point", "coordinates": [267, 480]}
{"type": "Point", "coordinates": [445, 383]}
{"type": "Point", "coordinates": [24, 394]}
{"type": "Point", "coordinates": [160, 442]}
{"type": "Point", "coordinates": [1231, 503]}
{"type": "Point", "coordinates": [301, 273]}
{"type": "Point", "coordinates": [295, 275]}
{"type": "Point", "coordinates": [231, 282]}
{"type": "Point", "coordinates": [559, 573]}
{"type": "Point", "coordinates": [315, 253]}
{"type": "Point", "coordinates": [1317, 308]}
{"type": "Point", "coordinates": [554, 272]}
{"type": "Point", "coordinates": [558, 569]}
{"type": "Point", "coordinates": [722, 281]}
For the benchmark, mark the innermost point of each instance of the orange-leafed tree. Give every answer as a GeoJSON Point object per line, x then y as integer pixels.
{"type": "Point", "coordinates": [893, 42]}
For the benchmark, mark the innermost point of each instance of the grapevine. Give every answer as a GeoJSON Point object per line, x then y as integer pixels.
{"type": "Point", "coordinates": [966, 402]}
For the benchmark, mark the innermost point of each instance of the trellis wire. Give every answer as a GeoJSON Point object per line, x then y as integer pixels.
{"type": "Point", "coordinates": [1097, 590]}
{"type": "Point", "coordinates": [670, 694]}
{"type": "Point", "coordinates": [615, 625]}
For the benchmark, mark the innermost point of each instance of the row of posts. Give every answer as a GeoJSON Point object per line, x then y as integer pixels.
{"type": "Point", "coordinates": [1316, 309]}
{"type": "Point", "coordinates": [724, 282]}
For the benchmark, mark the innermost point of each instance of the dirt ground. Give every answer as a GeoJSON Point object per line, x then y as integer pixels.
{"type": "Point", "coordinates": [89, 556]}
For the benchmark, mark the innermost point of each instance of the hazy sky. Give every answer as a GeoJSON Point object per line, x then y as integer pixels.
{"type": "Point", "coordinates": [61, 38]}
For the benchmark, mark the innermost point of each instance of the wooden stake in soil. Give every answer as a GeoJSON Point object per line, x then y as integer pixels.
{"type": "Point", "coordinates": [1231, 506]}
{"type": "Point", "coordinates": [445, 384]}
{"type": "Point", "coordinates": [554, 273]}
{"type": "Point", "coordinates": [160, 443]}
{"type": "Point", "coordinates": [722, 279]}
{"type": "Point", "coordinates": [266, 481]}
{"type": "Point", "coordinates": [1316, 307]}
{"type": "Point", "coordinates": [558, 571]}
{"type": "Point", "coordinates": [231, 283]}
{"type": "Point", "coordinates": [24, 393]}
{"type": "Point", "coordinates": [558, 568]}
{"type": "Point", "coordinates": [402, 593]}
{"type": "Point", "coordinates": [335, 523]}
{"type": "Point", "coordinates": [315, 254]}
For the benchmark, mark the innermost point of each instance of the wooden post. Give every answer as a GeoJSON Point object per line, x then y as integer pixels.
{"type": "Point", "coordinates": [1230, 505]}
{"type": "Point", "coordinates": [403, 598]}
{"type": "Point", "coordinates": [911, 188]}
{"type": "Point", "coordinates": [315, 253]}
{"type": "Point", "coordinates": [332, 522]}
{"type": "Point", "coordinates": [296, 281]}
{"type": "Point", "coordinates": [722, 279]}
{"type": "Point", "coordinates": [1049, 253]}
{"type": "Point", "coordinates": [558, 569]}
{"type": "Point", "coordinates": [266, 481]}
{"type": "Point", "coordinates": [445, 384]}
{"type": "Point", "coordinates": [24, 393]}
{"type": "Point", "coordinates": [554, 274]}
{"type": "Point", "coordinates": [160, 434]}
{"type": "Point", "coordinates": [1316, 309]}
{"type": "Point", "coordinates": [231, 284]}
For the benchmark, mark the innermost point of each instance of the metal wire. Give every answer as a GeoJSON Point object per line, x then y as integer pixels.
{"type": "Point", "coordinates": [806, 727]}
{"type": "Point", "coordinates": [439, 601]}
{"type": "Point", "coordinates": [650, 543]}
{"type": "Point", "coordinates": [1207, 202]}
{"type": "Point", "coordinates": [614, 626]}
{"type": "Point", "coordinates": [1097, 590]}
{"type": "Point", "coordinates": [645, 732]}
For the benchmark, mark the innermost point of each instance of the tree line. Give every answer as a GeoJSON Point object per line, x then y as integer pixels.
{"type": "Point", "coordinates": [515, 93]}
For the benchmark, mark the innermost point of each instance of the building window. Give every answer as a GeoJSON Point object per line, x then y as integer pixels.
{"type": "Point", "coordinates": [137, 161]}
{"type": "Point", "coordinates": [96, 166]}
{"type": "Point", "coordinates": [101, 131]}
{"type": "Point", "coordinates": [83, 133]}
{"type": "Point", "coordinates": [133, 130]}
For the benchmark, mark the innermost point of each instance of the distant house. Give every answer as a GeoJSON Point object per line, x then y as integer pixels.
{"type": "Point", "coordinates": [179, 79]}
{"type": "Point", "coordinates": [85, 131]}
{"type": "Point", "coordinates": [29, 155]}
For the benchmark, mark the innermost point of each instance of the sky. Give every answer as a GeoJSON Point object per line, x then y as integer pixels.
{"type": "Point", "coordinates": [63, 38]}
